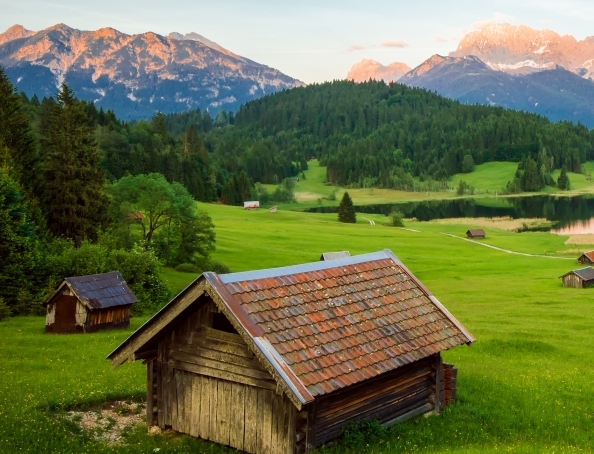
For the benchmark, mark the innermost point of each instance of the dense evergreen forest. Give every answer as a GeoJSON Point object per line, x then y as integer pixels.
{"type": "Point", "coordinates": [78, 183]}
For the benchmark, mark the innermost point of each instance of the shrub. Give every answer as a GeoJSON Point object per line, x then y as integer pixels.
{"type": "Point", "coordinates": [206, 264]}
{"type": "Point", "coordinates": [396, 219]}
{"type": "Point", "coordinates": [186, 268]}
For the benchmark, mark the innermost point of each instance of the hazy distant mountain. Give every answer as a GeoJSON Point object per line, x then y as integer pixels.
{"type": "Point", "coordinates": [521, 49]}
{"type": "Point", "coordinates": [557, 93]}
{"type": "Point", "coordinates": [135, 75]}
{"type": "Point", "coordinates": [371, 69]}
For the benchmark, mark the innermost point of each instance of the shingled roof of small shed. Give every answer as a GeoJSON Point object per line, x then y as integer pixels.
{"type": "Point", "coordinates": [586, 273]}
{"type": "Point", "coordinates": [335, 255]}
{"type": "Point", "coordinates": [100, 291]}
{"type": "Point", "coordinates": [343, 321]}
{"type": "Point", "coordinates": [589, 255]}
{"type": "Point", "coordinates": [476, 232]}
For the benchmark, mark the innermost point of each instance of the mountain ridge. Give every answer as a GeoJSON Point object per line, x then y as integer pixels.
{"type": "Point", "coordinates": [136, 75]}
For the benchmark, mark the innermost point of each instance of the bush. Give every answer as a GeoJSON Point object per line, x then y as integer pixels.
{"type": "Point", "coordinates": [396, 219]}
{"type": "Point", "coordinates": [186, 268]}
{"type": "Point", "coordinates": [206, 264]}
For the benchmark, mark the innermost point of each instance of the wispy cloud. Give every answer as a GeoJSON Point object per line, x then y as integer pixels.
{"type": "Point", "coordinates": [355, 48]}
{"type": "Point", "coordinates": [395, 43]}
{"type": "Point", "coordinates": [442, 39]}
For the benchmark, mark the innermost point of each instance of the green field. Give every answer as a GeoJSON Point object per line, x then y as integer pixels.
{"type": "Point", "coordinates": [490, 176]}
{"type": "Point", "coordinates": [526, 385]}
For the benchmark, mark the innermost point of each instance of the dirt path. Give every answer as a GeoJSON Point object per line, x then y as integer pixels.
{"type": "Point", "coordinates": [507, 250]}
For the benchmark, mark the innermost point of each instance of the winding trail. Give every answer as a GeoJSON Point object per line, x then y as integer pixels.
{"type": "Point", "coordinates": [507, 250]}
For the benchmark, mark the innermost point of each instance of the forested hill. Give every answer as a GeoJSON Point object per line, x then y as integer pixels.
{"type": "Point", "coordinates": [378, 134]}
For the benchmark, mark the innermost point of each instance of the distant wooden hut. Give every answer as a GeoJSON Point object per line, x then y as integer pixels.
{"type": "Point", "coordinates": [584, 277]}
{"type": "Point", "coordinates": [251, 205]}
{"type": "Point", "coordinates": [334, 255]}
{"type": "Point", "coordinates": [281, 360]}
{"type": "Point", "coordinates": [476, 233]}
{"type": "Point", "coordinates": [273, 209]}
{"type": "Point", "coordinates": [587, 258]}
{"type": "Point", "coordinates": [86, 304]}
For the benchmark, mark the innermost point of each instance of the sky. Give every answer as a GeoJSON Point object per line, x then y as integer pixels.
{"type": "Point", "coordinates": [311, 40]}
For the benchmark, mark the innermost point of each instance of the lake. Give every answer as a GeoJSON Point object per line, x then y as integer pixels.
{"type": "Point", "coordinates": [571, 215]}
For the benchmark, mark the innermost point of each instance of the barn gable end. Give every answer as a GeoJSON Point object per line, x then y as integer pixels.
{"type": "Point", "coordinates": [297, 351]}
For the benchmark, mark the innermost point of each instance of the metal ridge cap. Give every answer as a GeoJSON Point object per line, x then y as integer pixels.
{"type": "Point", "coordinates": [302, 268]}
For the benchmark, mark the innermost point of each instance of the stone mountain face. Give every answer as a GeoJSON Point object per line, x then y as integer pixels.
{"type": "Point", "coordinates": [521, 49]}
{"type": "Point", "coordinates": [135, 75]}
{"type": "Point", "coordinates": [557, 93]}
{"type": "Point", "coordinates": [371, 69]}
{"type": "Point", "coordinates": [15, 32]}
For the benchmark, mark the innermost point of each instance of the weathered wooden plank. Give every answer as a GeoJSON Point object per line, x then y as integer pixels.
{"type": "Point", "coordinates": [213, 364]}
{"type": "Point", "coordinates": [225, 405]}
{"type": "Point", "coordinates": [149, 393]}
{"type": "Point", "coordinates": [290, 425]}
{"type": "Point", "coordinates": [179, 402]}
{"type": "Point", "coordinates": [222, 335]}
{"type": "Point", "coordinates": [218, 355]}
{"type": "Point", "coordinates": [310, 434]}
{"type": "Point", "coordinates": [196, 407]}
{"type": "Point", "coordinates": [250, 440]}
{"type": "Point", "coordinates": [224, 375]}
{"type": "Point", "coordinates": [160, 380]}
{"type": "Point", "coordinates": [214, 402]}
{"type": "Point", "coordinates": [260, 421]}
{"type": "Point", "coordinates": [275, 416]}
{"type": "Point", "coordinates": [267, 422]}
{"type": "Point", "coordinates": [237, 421]}
{"type": "Point", "coordinates": [224, 346]}
{"type": "Point", "coordinates": [204, 428]}
{"type": "Point", "coordinates": [189, 402]}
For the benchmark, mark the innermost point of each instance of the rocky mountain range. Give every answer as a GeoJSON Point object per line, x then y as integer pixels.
{"type": "Point", "coordinates": [135, 75]}
{"type": "Point", "coordinates": [370, 69]}
{"type": "Point", "coordinates": [515, 67]}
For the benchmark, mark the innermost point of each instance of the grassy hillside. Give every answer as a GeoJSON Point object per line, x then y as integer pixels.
{"type": "Point", "coordinates": [525, 386]}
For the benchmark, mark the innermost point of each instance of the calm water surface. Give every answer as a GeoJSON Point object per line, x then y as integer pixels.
{"type": "Point", "coordinates": [570, 215]}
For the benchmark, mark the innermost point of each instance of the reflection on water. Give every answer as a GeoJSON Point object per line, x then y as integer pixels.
{"type": "Point", "coordinates": [570, 214]}
{"type": "Point", "coordinates": [576, 228]}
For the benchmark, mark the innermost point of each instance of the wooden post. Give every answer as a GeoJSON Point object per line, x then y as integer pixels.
{"type": "Point", "coordinates": [439, 385]}
{"type": "Point", "coordinates": [310, 434]}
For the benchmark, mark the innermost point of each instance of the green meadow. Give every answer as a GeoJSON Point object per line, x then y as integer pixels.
{"type": "Point", "coordinates": [525, 386]}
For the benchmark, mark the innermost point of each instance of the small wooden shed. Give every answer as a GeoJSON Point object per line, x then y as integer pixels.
{"type": "Point", "coordinates": [335, 255]}
{"type": "Point", "coordinates": [280, 360]}
{"type": "Point", "coordinates": [476, 233]}
{"type": "Point", "coordinates": [91, 303]}
{"type": "Point", "coordinates": [587, 258]}
{"type": "Point", "coordinates": [584, 277]}
{"type": "Point", "coordinates": [251, 205]}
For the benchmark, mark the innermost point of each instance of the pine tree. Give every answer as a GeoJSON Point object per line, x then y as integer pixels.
{"type": "Point", "coordinates": [346, 210]}
{"type": "Point", "coordinates": [19, 153]}
{"type": "Point", "coordinates": [563, 180]}
{"type": "Point", "coordinates": [76, 207]}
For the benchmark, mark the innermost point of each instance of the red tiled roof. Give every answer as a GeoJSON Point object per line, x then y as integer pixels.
{"type": "Point", "coordinates": [590, 255]}
{"type": "Point", "coordinates": [329, 325]}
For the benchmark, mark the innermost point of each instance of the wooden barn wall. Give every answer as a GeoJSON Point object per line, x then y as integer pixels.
{"type": "Point", "coordinates": [210, 385]}
{"type": "Point", "coordinates": [572, 280]}
{"type": "Point", "coordinates": [383, 398]}
{"type": "Point", "coordinates": [114, 317]}
{"type": "Point", "coordinates": [61, 315]}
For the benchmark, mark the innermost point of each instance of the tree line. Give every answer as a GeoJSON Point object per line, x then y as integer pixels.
{"type": "Point", "coordinates": [66, 209]}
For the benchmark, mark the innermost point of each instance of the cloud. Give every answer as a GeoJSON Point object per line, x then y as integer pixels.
{"type": "Point", "coordinates": [496, 17]}
{"type": "Point", "coordinates": [355, 47]}
{"type": "Point", "coordinates": [395, 43]}
{"type": "Point", "coordinates": [441, 39]}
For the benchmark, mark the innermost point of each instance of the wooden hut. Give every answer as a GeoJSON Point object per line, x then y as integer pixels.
{"type": "Point", "coordinates": [584, 277]}
{"type": "Point", "coordinates": [476, 233]}
{"type": "Point", "coordinates": [251, 205]}
{"type": "Point", "coordinates": [335, 255]}
{"type": "Point", "coordinates": [89, 303]}
{"type": "Point", "coordinates": [280, 360]}
{"type": "Point", "coordinates": [587, 258]}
